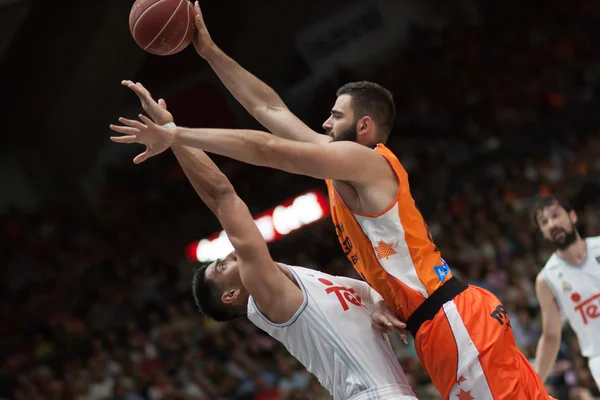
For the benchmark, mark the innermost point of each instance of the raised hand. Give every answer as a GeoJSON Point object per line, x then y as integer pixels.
{"type": "Point", "coordinates": [157, 138]}
{"type": "Point", "coordinates": [202, 40]}
{"type": "Point", "coordinates": [157, 111]}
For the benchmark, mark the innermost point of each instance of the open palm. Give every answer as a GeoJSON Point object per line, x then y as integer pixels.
{"type": "Point", "coordinates": [156, 138]}
{"type": "Point", "coordinates": [151, 133]}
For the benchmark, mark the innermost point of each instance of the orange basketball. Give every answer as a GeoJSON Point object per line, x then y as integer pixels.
{"type": "Point", "coordinates": [162, 27]}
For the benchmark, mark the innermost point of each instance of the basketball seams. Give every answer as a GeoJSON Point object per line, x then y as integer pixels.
{"type": "Point", "coordinates": [187, 28]}
{"type": "Point", "coordinates": [164, 26]}
{"type": "Point", "coordinates": [135, 24]}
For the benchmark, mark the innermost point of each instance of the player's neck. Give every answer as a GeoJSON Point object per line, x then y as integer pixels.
{"type": "Point", "coordinates": [574, 254]}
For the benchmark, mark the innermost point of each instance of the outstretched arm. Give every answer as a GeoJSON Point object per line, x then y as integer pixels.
{"type": "Point", "coordinates": [549, 343]}
{"type": "Point", "coordinates": [260, 275]}
{"type": "Point", "coordinates": [345, 161]}
{"type": "Point", "coordinates": [254, 95]}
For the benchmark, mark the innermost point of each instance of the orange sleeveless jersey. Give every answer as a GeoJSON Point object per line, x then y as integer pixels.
{"type": "Point", "coordinates": [392, 251]}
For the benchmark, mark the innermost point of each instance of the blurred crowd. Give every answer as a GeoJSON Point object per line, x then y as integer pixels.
{"type": "Point", "coordinates": [96, 300]}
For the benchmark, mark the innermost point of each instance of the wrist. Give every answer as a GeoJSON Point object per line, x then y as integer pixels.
{"type": "Point", "coordinates": [173, 132]}
{"type": "Point", "coordinates": [210, 52]}
{"type": "Point", "coordinates": [164, 122]}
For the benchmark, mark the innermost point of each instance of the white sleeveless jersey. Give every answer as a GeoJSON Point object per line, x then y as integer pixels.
{"type": "Point", "coordinates": [577, 292]}
{"type": "Point", "coordinates": [331, 336]}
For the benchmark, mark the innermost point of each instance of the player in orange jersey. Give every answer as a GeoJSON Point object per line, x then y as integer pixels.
{"type": "Point", "coordinates": [462, 333]}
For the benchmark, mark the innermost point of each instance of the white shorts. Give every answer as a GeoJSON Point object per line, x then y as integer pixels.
{"type": "Point", "coordinates": [594, 364]}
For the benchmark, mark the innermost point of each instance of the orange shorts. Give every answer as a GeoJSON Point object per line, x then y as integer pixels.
{"type": "Point", "coordinates": [469, 351]}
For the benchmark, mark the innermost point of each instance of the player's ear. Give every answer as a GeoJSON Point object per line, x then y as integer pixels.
{"type": "Point", "coordinates": [230, 295]}
{"type": "Point", "coordinates": [364, 125]}
{"type": "Point", "coordinates": [573, 216]}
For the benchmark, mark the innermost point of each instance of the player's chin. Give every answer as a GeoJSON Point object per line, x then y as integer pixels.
{"type": "Point", "coordinates": [559, 239]}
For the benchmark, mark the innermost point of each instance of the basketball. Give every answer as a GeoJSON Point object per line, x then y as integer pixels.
{"type": "Point", "coordinates": [162, 27]}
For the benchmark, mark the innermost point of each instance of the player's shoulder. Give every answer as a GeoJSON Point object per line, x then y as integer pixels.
{"type": "Point", "coordinates": [554, 263]}
{"type": "Point", "coordinates": [541, 281]}
{"type": "Point", "coordinates": [306, 272]}
{"type": "Point", "coordinates": [593, 243]}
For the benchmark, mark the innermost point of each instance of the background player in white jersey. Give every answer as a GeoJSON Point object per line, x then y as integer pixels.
{"type": "Point", "coordinates": [324, 321]}
{"type": "Point", "coordinates": [569, 285]}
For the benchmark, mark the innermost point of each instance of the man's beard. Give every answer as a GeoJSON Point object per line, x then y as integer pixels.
{"type": "Point", "coordinates": [569, 238]}
{"type": "Point", "coordinates": [347, 135]}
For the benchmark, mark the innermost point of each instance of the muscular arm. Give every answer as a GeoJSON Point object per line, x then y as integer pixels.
{"type": "Point", "coordinates": [345, 161]}
{"type": "Point", "coordinates": [260, 100]}
{"type": "Point", "coordinates": [260, 275]}
{"type": "Point", "coordinates": [549, 343]}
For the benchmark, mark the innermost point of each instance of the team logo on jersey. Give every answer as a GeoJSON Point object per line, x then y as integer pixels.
{"type": "Point", "coordinates": [442, 270]}
{"type": "Point", "coordinates": [566, 287]}
{"type": "Point", "coordinates": [343, 294]}
{"type": "Point", "coordinates": [385, 250]}
{"type": "Point", "coordinates": [588, 308]}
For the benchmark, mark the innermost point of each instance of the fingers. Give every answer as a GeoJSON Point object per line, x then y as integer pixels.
{"type": "Point", "coordinates": [124, 129]}
{"type": "Point", "coordinates": [396, 322]}
{"type": "Point", "coordinates": [146, 120]}
{"type": "Point", "coordinates": [380, 322]}
{"type": "Point", "coordinates": [139, 90]}
{"type": "Point", "coordinates": [389, 320]}
{"type": "Point", "coordinates": [162, 104]}
{"type": "Point", "coordinates": [132, 123]}
{"type": "Point", "coordinates": [197, 10]}
{"type": "Point", "coordinates": [140, 158]}
{"type": "Point", "coordinates": [124, 139]}
{"type": "Point", "coordinates": [199, 17]}
{"type": "Point", "coordinates": [404, 336]}
{"type": "Point", "coordinates": [379, 327]}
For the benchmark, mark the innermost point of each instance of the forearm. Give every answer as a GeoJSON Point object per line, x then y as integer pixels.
{"type": "Point", "coordinates": [545, 356]}
{"type": "Point", "coordinates": [262, 102]}
{"type": "Point", "coordinates": [207, 180]}
{"type": "Point", "coordinates": [251, 147]}
{"type": "Point", "coordinates": [253, 94]}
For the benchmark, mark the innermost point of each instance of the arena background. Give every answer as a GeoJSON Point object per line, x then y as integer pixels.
{"type": "Point", "coordinates": [497, 101]}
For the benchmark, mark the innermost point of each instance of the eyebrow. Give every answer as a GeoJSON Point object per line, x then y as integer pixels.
{"type": "Point", "coordinates": [218, 262]}
{"type": "Point", "coordinates": [334, 112]}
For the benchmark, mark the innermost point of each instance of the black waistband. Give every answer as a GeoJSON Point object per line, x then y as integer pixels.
{"type": "Point", "coordinates": [430, 307]}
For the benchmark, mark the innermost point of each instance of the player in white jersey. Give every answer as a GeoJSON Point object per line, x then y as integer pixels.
{"type": "Point", "coordinates": [568, 285]}
{"type": "Point", "coordinates": [324, 321]}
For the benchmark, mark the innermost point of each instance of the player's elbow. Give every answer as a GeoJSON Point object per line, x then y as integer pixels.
{"type": "Point", "coordinates": [225, 199]}
{"type": "Point", "coordinates": [223, 191]}
{"type": "Point", "coordinates": [267, 112]}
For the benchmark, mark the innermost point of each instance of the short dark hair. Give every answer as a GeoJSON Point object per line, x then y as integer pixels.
{"type": "Point", "coordinates": [207, 295]}
{"type": "Point", "coordinates": [369, 98]}
{"type": "Point", "coordinates": [544, 202]}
